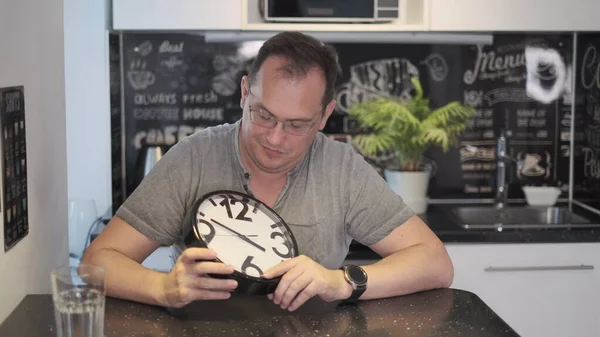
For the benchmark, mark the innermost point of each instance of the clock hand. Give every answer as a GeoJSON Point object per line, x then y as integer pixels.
{"type": "Point", "coordinates": [243, 237]}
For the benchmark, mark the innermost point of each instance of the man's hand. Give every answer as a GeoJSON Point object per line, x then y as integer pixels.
{"type": "Point", "coordinates": [302, 279]}
{"type": "Point", "coordinates": [188, 281]}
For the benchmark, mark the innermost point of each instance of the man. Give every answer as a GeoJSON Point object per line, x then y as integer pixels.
{"type": "Point", "coordinates": [323, 189]}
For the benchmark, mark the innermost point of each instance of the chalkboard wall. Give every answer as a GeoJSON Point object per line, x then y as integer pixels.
{"type": "Point", "coordinates": [586, 186]}
{"type": "Point", "coordinates": [175, 84]}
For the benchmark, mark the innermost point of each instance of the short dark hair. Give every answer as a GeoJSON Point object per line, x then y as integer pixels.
{"type": "Point", "coordinates": [303, 53]}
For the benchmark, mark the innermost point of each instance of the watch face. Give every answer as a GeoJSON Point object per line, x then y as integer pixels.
{"type": "Point", "coordinates": [357, 275]}
{"type": "Point", "coordinates": [243, 232]}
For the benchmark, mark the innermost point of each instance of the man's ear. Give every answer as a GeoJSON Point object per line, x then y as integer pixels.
{"type": "Point", "coordinates": [245, 87]}
{"type": "Point", "coordinates": [328, 111]}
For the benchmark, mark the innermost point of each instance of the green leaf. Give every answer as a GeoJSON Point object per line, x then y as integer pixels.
{"type": "Point", "coordinates": [408, 128]}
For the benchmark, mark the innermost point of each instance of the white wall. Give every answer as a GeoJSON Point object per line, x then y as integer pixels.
{"type": "Point", "coordinates": [31, 54]}
{"type": "Point", "coordinates": [88, 107]}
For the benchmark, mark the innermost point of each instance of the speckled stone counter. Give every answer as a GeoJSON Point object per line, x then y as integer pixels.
{"type": "Point", "coordinates": [445, 312]}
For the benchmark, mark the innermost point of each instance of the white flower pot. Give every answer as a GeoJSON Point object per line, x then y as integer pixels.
{"type": "Point", "coordinates": [411, 187]}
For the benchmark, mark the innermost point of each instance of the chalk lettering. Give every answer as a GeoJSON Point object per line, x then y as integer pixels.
{"type": "Point", "coordinates": [167, 47]}
{"type": "Point", "coordinates": [199, 98]}
{"type": "Point", "coordinates": [207, 114]}
{"type": "Point", "coordinates": [477, 166]}
{"type": "Point", "coordinates": [489, 62]}
{"type": "Point", "coordinates": [471, 189]}
{"type": "Point", "coordinates": [498, 95]}
{"type": "Point", "coordinates": [158, 113]}
{"type": "Point", "coordinates": [591, 163]}
{"type": "Point", "coordinates": [168, 135]}
{"type": "Point", "coordinates": [157, 98]}
{"type": "Point", "coordinates": [525, 112]}
{"type": "Point", "coordinates": [592, 136]}
{"type": "Point", "coordinates": [590, 68]}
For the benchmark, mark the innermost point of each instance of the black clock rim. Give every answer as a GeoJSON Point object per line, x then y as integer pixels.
{"type": "Point", "coordinates": [223, 191]}
{"type": "Point", "coordinates": [246, 284]}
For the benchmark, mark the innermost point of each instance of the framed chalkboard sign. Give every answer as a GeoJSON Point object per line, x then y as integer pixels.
{"type": "Point", "coordinates": [14, 165]}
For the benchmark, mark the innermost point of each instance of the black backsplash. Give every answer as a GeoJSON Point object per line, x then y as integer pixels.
{"type": "Point", "coordinates": [116, 131]}
{"type": "Point", "coordinates": [175, 84]}
{"type": "Point", "coordinates": [586, 166]}
{"type": "Point", "coordinates": [529, 101]}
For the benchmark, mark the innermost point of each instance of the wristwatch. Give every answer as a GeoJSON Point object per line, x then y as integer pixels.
{"type": "Point", "coordinates": [357, 278]}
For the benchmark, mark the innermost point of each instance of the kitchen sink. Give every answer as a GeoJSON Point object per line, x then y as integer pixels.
{"type": "Point", "coordinates": [518, 217]}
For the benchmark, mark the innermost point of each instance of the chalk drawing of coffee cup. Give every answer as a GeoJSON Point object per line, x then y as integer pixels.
{"type": "Point", "coordinates": [531, 166]}
{"type": "Point", "coordinates": [140, 79]}
{"type": "Point", "coordinates": [437, 66]}
{"type": "Point", "coordinates": [546, 74]}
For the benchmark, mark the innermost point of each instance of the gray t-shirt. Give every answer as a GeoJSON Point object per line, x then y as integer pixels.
{"type": "Point", "coordinates": [331, 197]}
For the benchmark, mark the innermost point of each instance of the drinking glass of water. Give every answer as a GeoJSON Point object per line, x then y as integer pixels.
{"type": "Point", "coordinates": [79, 293]}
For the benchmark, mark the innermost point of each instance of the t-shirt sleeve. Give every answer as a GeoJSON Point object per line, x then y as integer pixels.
{"type": "Point", "coordinates": [374, 210]}
{"type": "Point", "coordinates": [157, 207]}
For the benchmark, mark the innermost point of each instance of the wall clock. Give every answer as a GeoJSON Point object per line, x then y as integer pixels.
{"type": "Point", "coordinates": [245, 233]}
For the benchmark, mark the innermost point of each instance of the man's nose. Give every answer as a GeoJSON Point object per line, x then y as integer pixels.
{"type": "Point", "coordinates": [276, 135]}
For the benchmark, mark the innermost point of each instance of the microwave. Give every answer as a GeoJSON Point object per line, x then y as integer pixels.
{"type": "Point", "coordinates": [323, 11]}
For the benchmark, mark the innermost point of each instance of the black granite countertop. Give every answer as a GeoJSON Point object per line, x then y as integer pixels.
{"type": "Point", "coordinates": [449, 230]}
{"type": "Point", "coordinates": [446, 227]}
{"type": "Point", "coordinates": [443, 312]}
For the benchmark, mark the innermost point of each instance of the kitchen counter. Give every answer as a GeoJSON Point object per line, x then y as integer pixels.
{"type": "Point", "coordinates": [450, 231]}
{"type": "Point", "coordinates": [443, 312]}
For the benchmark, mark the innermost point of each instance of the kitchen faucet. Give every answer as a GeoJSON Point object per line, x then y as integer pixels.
{"type": "Point", "coordinates": [502, 160]}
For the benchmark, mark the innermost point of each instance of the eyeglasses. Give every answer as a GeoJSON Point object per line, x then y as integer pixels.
{"type": "Point", "coordinates": [263, 118]}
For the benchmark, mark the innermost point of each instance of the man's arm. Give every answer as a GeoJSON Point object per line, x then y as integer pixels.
{"type": "Point", "coordinates": [414, 259]}
{"type": "Point", "coordinates": [121, 249]}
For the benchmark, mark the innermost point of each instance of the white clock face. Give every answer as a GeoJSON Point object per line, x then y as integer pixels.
{"type": "Point", "coordinates": [244, 233]}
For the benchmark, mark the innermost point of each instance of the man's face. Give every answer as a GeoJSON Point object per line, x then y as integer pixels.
{"type": "Point", "coordinates": [296, 102]}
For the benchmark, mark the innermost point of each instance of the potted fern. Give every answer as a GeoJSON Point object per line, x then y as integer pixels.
{"type": "Point", "coordinates": [405, 131]}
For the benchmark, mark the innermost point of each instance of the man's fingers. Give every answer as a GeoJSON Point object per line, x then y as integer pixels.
{"type": "Point", "coordinates": [191, 294]}
{"type": "Point", "coordinates": [207, 283]}
{"type": "Point", "coordinates": [297, 287]}
{"type": "Point", "coordinates": [192, 255]}
{"type": "Point", "coordinates": [285, 283]}
{"type": "Point", "coordinates": [201, 268]}
{"type": "Point", "coordinates": [281, 268]}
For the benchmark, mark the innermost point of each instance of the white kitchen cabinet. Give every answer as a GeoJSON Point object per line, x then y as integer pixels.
{"type": "Point", "coordinates": [177, 14]}
{"type": "Point", "coordinates": [549, 290]}
{"type": "Point", "coordinates": [514, 15]}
